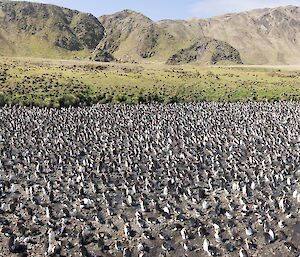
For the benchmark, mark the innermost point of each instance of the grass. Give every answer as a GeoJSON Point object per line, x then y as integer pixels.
{"type": "Point", "coordinates": [64, 83]}
{"type": "Point", "coordinates": [29, 45]}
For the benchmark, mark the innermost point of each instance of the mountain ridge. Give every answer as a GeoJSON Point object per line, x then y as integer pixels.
{"type": "Point", "coordinates": [131, 36]}
{"type": "Point", "coordinates": [35, 29]}
{"type": "Point", "coordinates": [260, 36]}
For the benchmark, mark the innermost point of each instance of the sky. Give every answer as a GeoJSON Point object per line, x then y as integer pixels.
{"type": "Point", "coordinates": [170, 9]}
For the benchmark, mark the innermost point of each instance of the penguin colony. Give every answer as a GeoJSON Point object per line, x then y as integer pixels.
{"type": "Point", "coordinates": [196, 179]}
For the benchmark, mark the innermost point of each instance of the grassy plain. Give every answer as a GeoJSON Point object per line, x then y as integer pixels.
{"type": "Point", "coordinates": [62, 83]}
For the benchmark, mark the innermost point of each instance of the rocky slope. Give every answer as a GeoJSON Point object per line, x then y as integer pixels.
{"type": "Point", "coordinates": [266, 36]}
{"type": "Point", "coordinates": [40, 30]}
{"type": "Point", "coordinates": [207, 51]}
{"type": "Point", "coordinates": [130, 36]}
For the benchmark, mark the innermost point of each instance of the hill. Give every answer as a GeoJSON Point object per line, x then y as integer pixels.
{"type": "Point", "coordinates": [131, 36]}
{"type": "Point", "coordinates": [265, 36]}
{"type": "Point", "coordinates": [207, 51]}
{"type": "Point", "coordinates": [42, 30]}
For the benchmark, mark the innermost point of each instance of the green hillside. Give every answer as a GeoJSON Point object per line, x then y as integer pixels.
{"type": "Point", "coordinates": [133, 37]}
{"type": "Point", "coordinates": [40, 30]}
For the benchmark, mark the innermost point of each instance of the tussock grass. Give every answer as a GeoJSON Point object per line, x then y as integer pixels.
{"type": "Point", "coordinates": [64, 83]}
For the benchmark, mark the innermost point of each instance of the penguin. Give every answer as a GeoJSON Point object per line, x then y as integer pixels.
{"type": "Point", "coordinates": [243, 253]}
{"type": "Point", "coordinates": [15, 246]}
